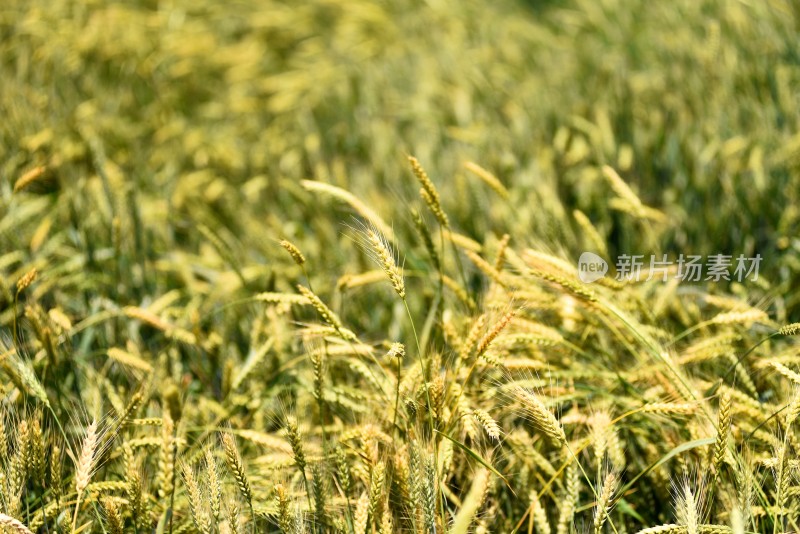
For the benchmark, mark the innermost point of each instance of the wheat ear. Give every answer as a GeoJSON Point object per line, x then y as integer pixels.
{"type": "Point", "coordinates": [569, 502]}
{"type": "Point", "coordinates": [195, 500]}
{"type": "Point", "coordinates": [790, 329]}
{"type": "Point", "coordinates": [293, 251]}
{"type": "Point", "coordinates": [488, 178]}
{"type": "Point", "coordinates": [214, 486]}
{"type": "Point", "coordinates": [472, 503]}
{"type": "Point", "coordinates": [284, 516]}
{"type": "Point", "coordinates": [84, 466]}
{"type": "Point", "coordinates": [236, 467]}
{"type": "Point", "coordinates": [29, 177]}
{"type": "Point", "coordinates": [377, 477]}
{"type": "Point", "coordinates": [113, 517]}
{"type": "Point", "coordinates": [428, 192]}
{"type": "Point", "coordinates": [362, 515]}
{"type": "Point", "coordinates": [488, 423]}
{"type": "Point", "coordinates": [604, 502]}
{"type": "Point", "coordinates": [13, 524]}
{"type": "Point", "coordinates": [385, 258]}
{"type": "Point", "coordinates": [349, 198]}
{"type": "Point", "coordinates": [539, 514]}
{"type": "Point", "coordinates": [540, 415]}
{"type": "Point", "coordinates": [490, 336]}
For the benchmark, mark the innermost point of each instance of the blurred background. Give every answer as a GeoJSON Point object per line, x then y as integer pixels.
{"type": "Point", "coordinates": [174, 134]}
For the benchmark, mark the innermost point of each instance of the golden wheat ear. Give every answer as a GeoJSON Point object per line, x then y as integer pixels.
{"type": "Point", "coordinates": [29, 177]}
{"type": "Point", "coordinates": [84, 465]}
{"type": "Point", "coordinates": [196, 501]}
{"type": "Point", "coordinates": [214, 485]}
{"type": "Point", "coordinates": [13, 525]}
{"type": "Point", "coordinates": [428, 192]}
{"type": "Point", "coordinates": [293, 251]}
{"type": "Point", "coordinates": [540, 415]}
{"type": "Point", "coordinates": [790, 329]}
{"type": "Point", "coordinates": [605, 501]}
{"type": "Point", "coordinates": [237, 468]}
{"type": "Point", "coordinates": [384, 257]}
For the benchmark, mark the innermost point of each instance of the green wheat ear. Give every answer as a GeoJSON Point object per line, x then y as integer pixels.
{"type": "Point", "coordinates": [237, 468]}
{"type": "Point", "coordinates": [790, 329]}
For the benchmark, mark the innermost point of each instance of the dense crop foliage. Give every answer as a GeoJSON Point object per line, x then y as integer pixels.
{"type": "Point", "coordinates": [312, 267]}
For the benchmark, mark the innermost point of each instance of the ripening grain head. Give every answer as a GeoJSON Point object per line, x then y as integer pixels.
{"type": "Point", "coordinates": [379, 249]}
{"type": "Point", "coordinates": [539, 414]}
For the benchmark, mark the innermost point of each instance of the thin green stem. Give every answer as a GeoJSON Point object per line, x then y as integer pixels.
{"type": "Point", "coordinates": [397, 393]}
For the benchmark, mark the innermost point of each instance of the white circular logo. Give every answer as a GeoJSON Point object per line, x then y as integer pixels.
{"type": "Point", "coordinates": [591, 267]}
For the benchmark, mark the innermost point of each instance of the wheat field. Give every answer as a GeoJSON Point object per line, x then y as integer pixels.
{"type": "Point", "coordinates": [314, 267]}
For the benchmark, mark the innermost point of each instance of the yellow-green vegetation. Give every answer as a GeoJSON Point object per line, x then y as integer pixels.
{"type": "Point", "coordinates": [312, 266]}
